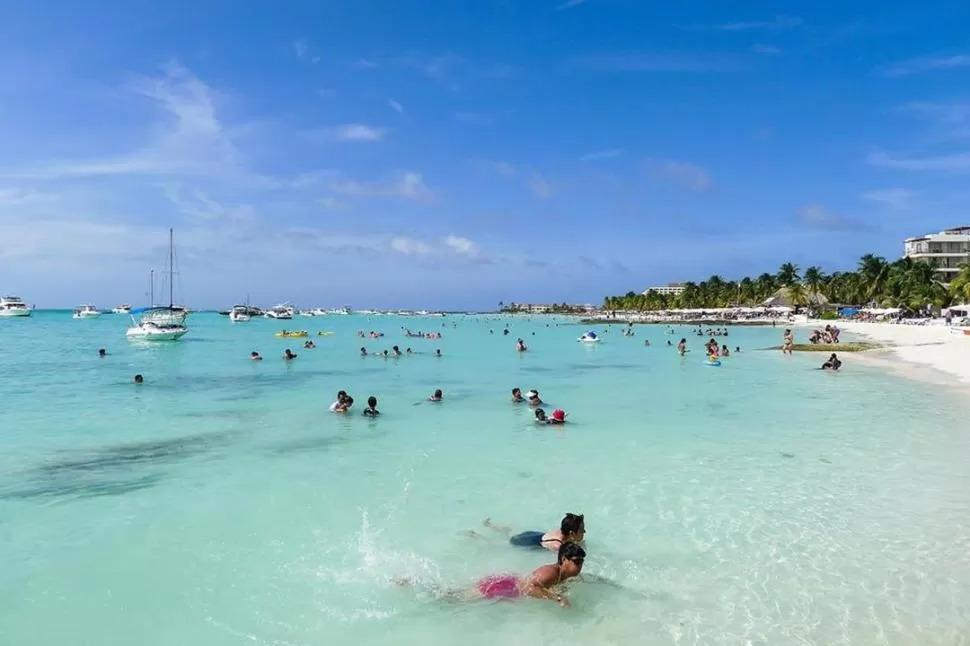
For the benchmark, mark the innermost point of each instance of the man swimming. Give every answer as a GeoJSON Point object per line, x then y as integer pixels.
{"type": "Point", "coordinates": [517, 397]}
{"type": "Point", "coordinates": [833, 363]}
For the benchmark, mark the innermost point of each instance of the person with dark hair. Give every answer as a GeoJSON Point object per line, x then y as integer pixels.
{"type": "Point", "coordinates": [543, 583]}
{"type": "Point", "coordinates": [139, 379]}
{"type": "Point", "coordinates": [102, 353]}
{"type": "Point", "coordinates": [834, 363]}
{"type": "Point", "coordinates": [371, 410]}
{"type": "Point", "coordinates": [437, 396]}
{"type": "Point", "coordinates": [517, 397]}
{"type": "Point", "coordinates": [572, 529]}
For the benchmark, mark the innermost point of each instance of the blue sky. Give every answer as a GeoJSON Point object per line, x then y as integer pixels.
{"type": "Point", "coordinates": [461, 152]}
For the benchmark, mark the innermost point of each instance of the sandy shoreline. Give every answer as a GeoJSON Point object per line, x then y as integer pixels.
{"type": "Point", "coordinates": [933, 347]}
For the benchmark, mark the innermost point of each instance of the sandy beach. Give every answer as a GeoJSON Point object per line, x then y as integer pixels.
{"type": "Point", "coordinates": [930, 346]}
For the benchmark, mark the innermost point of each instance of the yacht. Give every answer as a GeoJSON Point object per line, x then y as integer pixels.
{"type": "Point", "coordinates": [343, 311]}
{"type": "Point", "coordinates": [162, 323]}
{"type": "Point", "coordinates": [122, 309]}
{"type": "Point", "coordinates": [239, 314]}
{"type": "Point", "coordinates": [280, 312]}
{"type": "Point", "coordinates": [86, 312]}
{"type": "Point", "coordinates": [13, 306]}
{"type": "Point", "coordinates": [318, 311]}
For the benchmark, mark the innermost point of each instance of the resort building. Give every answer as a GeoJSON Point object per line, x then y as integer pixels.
{"type": "Point", "coordinates": [670, 289]}
{"type": "Point", "coordinates": [946, 250]}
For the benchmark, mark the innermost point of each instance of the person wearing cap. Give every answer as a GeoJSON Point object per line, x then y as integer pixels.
{"type": "Point", "coordinates": [533, 397]}
{"type": "Point", "coordinates": [558, 416]}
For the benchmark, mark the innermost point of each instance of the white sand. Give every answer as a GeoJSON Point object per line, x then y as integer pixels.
{"type": "Point", "coordinates": [934, 346]}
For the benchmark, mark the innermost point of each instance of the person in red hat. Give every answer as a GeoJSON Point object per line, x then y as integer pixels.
{"type": "Point", "coordinates": [558, 416]}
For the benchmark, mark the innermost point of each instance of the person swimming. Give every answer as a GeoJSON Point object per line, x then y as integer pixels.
{"type": "Point", "coordinates": [520, 345]}
{"type": "Point", "coordinates": [682, 347]}
{"type": "Point", "coordinates": [338, 405]}
{"type": "Point", "coordinates": [541, 417]}
{"type": "Point", "coordinates": [543, 583]}
{"type": "Point", "coordinates": [572, 529]}
{"type": "Point", "coordinates": [139, 379]}
{"type": "Point", "coordinates": [363, 352]}
{"type": "Point", "coordinates": [371, 410]}
{"type": "Point", "coordinates": [397, 351]}
{"type": "Point", "coordinates": [102, 353]}
{"type": "Point", "coordinates": [517, 397]}
{"type": "Point", "coordinates": [309, 345]}
{"type": "Point", "coordinates": [533, 397]}
{"type": "Point", "coordinates": [288, 355]}
{"type": "Point", "coordinates": [833, 363]}
{"type": "Point", "coordinates": [725, 352]}
{"type": "Point", "coordinates": [558, 417]}
{"type": "Point", "coordinates": [437, 353]}
{"type": "Point", "coordinates": [255, 356]}
{"type": "Point", "coordinates": [436, 396]}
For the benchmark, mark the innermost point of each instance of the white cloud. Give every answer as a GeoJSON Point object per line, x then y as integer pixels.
{"type": "Point", "coordinates": [689, 175]}
{"type": "Point", "coordinates": [955, 163]}
{"type": "Point", "coordinates": [540, 187]}
{"type": "Point", "coordinates": [767, 50]}
{"type": "Point", "coordinates": [358, 132]}
{"type": "Point", "coordinates": [816, 216]}
{"type": "Point", "coordinates": [301, 47]}
{"type": "Point", "coordinates": [896, 199]}
{"type": "Point", "coordinates": [927, 64]}
{"type": "Point", "coordinates": [365, 64]}
{"type": "Point", "coordinates": [462, 246]}
{"type": "Point", "coordinates": [331, 203]}
{"type": "Point", "coordinates": [408, 185]}
{"type": "Point", "coordinates": [397, 107]}
{"type": "Point", "coordinates": [601, 154]}
{"type": "Point", "coordinates": [569, 4]}
{"type": "Point", "coordinates": [778, 23]}
{"type": "Point", "coordinates": [504, 169]}
{"type": "Point", "coordinates": [655, 62]}
{"type": "Point", "coordinates": [410, 246]}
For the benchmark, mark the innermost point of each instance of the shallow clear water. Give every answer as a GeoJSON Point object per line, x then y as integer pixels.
{"type": "Point", "coordinates": [762, 502]}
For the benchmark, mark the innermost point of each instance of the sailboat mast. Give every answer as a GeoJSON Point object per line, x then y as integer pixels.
{"type": "Point", "coordinates": [151, 287]}
{"type": "Point", "coordinates": [171, 269]}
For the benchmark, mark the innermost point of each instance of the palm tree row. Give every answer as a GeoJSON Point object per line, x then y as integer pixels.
{"type": "Point", "coordinates": [905, 283]}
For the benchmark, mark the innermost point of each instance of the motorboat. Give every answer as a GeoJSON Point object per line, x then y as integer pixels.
{"type": "Point", "coordinates": [122, 309]}
{"type": "Point", "coordinates": [86, 312]}
{"type": "Point", "coordinates": [11, 306]}
{"type": "Point", "coordinates": [280, 312]}
{"type": "Point", "coordinates": [589, 337]}
{"type": "Point", "coordinates": [239, 314]}
{"type": "Point", "coordinates": [160, 323]}
{"type": "Point", "coordinates": [306, 313]}
{"type": "Point", "coordinates": [342, 311]}
{"type": "Point", "coordinates": [318, 311]}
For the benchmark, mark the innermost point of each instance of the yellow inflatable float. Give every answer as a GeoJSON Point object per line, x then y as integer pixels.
{"type": "Point", "coordinates": [286, 334]}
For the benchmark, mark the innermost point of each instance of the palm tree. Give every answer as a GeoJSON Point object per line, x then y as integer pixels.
{"type": "Point", "coordinates": [814, 281]}
{"type": "Point", "coordinates": [788, 274]}
{"type": "Point", "coordinates": [874, 272]}
{"type": "Point", "coordinates": [960, 285]}
{"type": "Point", "coordinates": [796, 292]}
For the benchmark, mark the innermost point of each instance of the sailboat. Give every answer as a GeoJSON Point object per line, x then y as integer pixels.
{"type": "Point", "coordinates": [162, 323]}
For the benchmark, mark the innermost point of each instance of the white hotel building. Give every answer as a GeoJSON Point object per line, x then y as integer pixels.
{"type": "Point", "coordinates": [946, 250]}
{"type": "Point", "coordinates": [670, 289]}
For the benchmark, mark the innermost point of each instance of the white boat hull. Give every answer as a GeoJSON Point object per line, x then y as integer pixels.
{"type": "Point", "coordinates": [239, 317]}
{"type": "Point", "coordinates": [17, 313]}
{"type": "Point", "coordinates": [87, 315]}
{"type": "Point", "coordinates": [146, 333]}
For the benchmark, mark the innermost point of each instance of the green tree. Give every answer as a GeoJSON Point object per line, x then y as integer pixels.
{"type": "Point", "coordinates": [788, 274]}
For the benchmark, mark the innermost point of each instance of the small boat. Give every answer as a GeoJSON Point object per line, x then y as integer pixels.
{"type": "Point", "coordinates": [163, 323]}
{"type": "Point", "coordinates": [13, 306]}
{"type": "Point", "coordinates": [122, 309]}
{"type": "Point", "coordinates": [324, 333]}
{"type": "Point", "coordinates": [281, 312]}
{"type": "Point", "coordinates": [589, 337]}
{"type": "Point", "coordinates": [86, 312]}
{"type": "Point", "coordinates": [239, 314]}
{"type": "Point", "coordinates": [714, 363]}
{"type": "Point", "coordinates": [292, 334]}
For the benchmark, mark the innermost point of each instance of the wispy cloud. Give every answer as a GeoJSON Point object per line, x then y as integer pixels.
{"type": "Point", "coordinates": [655, 62]}
{"type": "Point", "coordinates": [347, 132]}
{"type": "Point", "coordinates": [462, 246]}
{"type": "Point", "coordinates": [766, 50]}
{"type": "Point", "coordinates": [601, 154]}
{"type": "Point", "coordinates": [540, 187]}
{"type": "Point", "coordinates": [955, 163]}
{"type": "Point", "coordinates": [951, 119]}
{"type": "Point", "coordinates": [927, 64]}
{"type": "Point", "coordinates": [686, 174]}
{"type": "Point", "coordinates": [409, 185]}
{"type": "Point", "coordinates": [504, 169]}
{"type": "Point", "coordinates": [776, 24]}
{"type": "Point", "coordinates": [474, 118]}
{"type": "Point", "coordinates": [569, 4]}
{"type": "Point", "coordinates": [301, 47]}
{"type": "Point", "coordinates": [816, 216]}
{"type": "Point", "coordinates": [331, 203]}
{"type": "Point", "coordinates": [397, 107]}
{"type": "Point", "coordinates": [365, 64]}
{"type": "Point", "coordinates": [410, 246]}
{"type": "Point", "coordinates": [896, 199]}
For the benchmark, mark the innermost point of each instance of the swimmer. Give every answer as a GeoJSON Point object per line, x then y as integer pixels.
{"type": "Point", "coordinates": [397, 351]}
{"type": "Point", "coordinates": [139, 379]}
{"type": "Point", "coordinates": [558, 417]}
{"type": "Point", "coordinates": [725, 352]}
{"type": "Point", "coordinates": [572, 529]}
{"type": "Point", "coordinates": [102, 353]}
{"type": "Point", "coordinates": [437, 353]}
{"type": "Point", "coordinates": [737, 349]}
{"type": "Point", "coordinates": [255, 356]}
{"type": "Point", "coordinates": [647, 343]}
{"type": "Point", "coordinates": [682, 347]}
{"type": "Point", "coordinates": [288, 355]}
{"type": "Point", "coordinates": [833, 363]}
{"type": "Point", "coordinates": [533, 397]}
{"type": "Point", "coordinates": [543, 583]}
{"type": "Point", "coordinates": [363, 352]}
{"type": "Point", "coordinates": [409, 351]}
{"type": "Point", "coordinates": [309, 345]}
{"type": "Point", "coordinates": [335, 407]}
{"type": "Point", "coordinates": [541, 417]}
{"type": "Point", "coordinates": [517, 397]}
{"type": "Point", "coordinates": [371, 410]}
{"type": "Point", "coordinates": [436, 396]}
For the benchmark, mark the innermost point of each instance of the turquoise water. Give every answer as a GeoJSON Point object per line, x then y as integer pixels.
{"type": "Point", "coordinates": [762, 502]}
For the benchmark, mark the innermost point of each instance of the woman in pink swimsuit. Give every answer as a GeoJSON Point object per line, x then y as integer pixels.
{"type": "Point", "coordinates": [543, 583]}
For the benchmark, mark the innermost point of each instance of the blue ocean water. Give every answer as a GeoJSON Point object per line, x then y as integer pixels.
{"type": "Point", "coordinates": [762, 502]}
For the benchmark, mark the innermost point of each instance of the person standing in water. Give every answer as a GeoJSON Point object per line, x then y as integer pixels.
{"type": "Point", "coordinates": [682, 347]}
